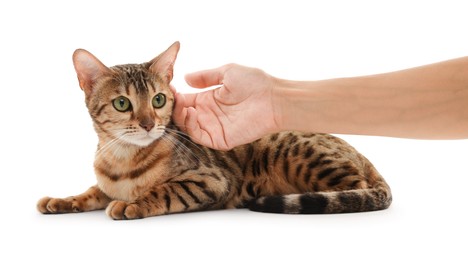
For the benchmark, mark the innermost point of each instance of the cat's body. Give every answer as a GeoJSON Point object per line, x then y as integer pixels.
{"type": "Point", "coordinates": [146, 167]}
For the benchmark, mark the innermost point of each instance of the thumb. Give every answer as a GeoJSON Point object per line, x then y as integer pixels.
{"type": "Point", "coordinates": [206, 78]}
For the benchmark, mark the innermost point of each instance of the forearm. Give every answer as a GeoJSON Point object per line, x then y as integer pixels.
{"type": "Point", "coordinates": [429, 102]}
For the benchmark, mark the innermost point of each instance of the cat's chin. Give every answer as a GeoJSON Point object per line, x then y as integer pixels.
{"type": "Point", "coordinates": [143, 141]}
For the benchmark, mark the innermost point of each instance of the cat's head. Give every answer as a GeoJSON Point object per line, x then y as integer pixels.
{"type": "Point", "coordinates": [132, 103]}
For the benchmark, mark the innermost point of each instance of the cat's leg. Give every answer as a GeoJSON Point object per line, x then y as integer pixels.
{"type": "Point", "coordinates": [92, 199]}
{"type": "Point", "coordinates": [172, 197]}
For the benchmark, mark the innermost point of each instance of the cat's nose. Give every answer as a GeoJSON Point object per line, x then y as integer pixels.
{"type": "Point", "coordinates": [147, 124]}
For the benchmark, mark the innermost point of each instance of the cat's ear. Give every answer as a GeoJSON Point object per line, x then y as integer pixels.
{"type": "Point", "coordinates": [88, 68]}
{"type": "Point", "coordinates": [163, 65]}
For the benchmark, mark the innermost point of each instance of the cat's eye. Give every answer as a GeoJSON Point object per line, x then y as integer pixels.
{"type": "Point", "coordinates": [122, 104]}
{"type": "Point", "coordinates": [159, 100]}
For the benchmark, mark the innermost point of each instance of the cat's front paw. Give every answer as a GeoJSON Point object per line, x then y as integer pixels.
{"type": "Point", "coordinates": [120, 210]}
{"type": "Point", "coordinates": [49, 205]}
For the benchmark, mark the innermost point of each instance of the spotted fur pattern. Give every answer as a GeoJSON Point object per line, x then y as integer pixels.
{"type": "Point", "coordinates": [146, 167]}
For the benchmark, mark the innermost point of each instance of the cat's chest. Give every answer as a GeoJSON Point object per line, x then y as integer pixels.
{"type": "Point", "coordinates": [124, 181]}
{"type": "Point", "coordinates": [125, 189]}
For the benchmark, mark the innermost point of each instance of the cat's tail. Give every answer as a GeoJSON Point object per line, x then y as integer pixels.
{"type": "Point", "coordinates": [361, 200]}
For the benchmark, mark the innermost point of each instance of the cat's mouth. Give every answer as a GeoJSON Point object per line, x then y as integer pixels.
{"type": "Point", "coordinates": [143, 139]}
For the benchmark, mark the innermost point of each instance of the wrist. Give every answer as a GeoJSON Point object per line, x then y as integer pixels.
{"type": "Point", "coordinates": [306, 106]}
{"type": "Point", "coordinates": [286, 96]}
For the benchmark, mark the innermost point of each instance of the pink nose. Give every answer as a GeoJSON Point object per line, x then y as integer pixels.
{"type": "Point", "coordinates": [147, 125]}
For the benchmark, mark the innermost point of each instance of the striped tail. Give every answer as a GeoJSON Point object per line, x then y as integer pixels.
{"type": "Point", "coordinates": [325, 202]}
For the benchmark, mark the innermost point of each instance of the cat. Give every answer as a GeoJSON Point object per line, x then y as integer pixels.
{"type": "Point", "coordinates": [145, 166]}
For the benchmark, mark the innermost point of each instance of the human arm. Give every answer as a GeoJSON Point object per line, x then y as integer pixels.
{"type": "Point", "coordinates": [427, 102]}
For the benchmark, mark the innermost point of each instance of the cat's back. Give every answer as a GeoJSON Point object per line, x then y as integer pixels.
{"type": "Point", "coordinates": [313, 149]}
{"type": "Point", "coordinates": [296, 162]}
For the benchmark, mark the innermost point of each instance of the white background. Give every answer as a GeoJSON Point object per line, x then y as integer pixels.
{"type": "Point", "coordinates": [47, 141]}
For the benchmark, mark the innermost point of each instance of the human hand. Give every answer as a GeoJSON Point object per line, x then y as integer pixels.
{"type": "Point", "coordinates": [240, 111]}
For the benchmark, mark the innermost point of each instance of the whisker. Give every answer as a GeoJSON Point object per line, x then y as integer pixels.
{"type": "Point", "coordinates": [175, 147]}
{"type": "Point", "coordinates": [178, 126]}
{"type": "Point", "coordinates": [181, 149]}
{"type": "Point", "coordinates": [187, 153]}
{"type": "Point", "coordinates": [180, 152]}
{"type": "Point", "coordinates": [109, 144]}
{"type": "Point", "coordinates": [185, 137]}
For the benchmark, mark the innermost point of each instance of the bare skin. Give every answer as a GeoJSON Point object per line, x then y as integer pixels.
{"type": "Point", "coordinates": [427, 102]}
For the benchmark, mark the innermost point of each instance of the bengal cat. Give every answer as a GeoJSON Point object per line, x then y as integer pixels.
{"type": "Point", "coordinates": [146, 167]}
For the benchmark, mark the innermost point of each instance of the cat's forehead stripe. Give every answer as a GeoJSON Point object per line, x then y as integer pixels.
{"type": "Point", "coordinates": [135, 76]}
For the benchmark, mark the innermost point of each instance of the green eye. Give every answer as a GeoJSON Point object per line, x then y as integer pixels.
{"type": "Point", "coordinates": [122, 104]}
{"type": "Point", "coordinates": [159, 100]}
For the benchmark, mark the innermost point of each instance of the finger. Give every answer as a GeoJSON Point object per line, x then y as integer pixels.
{"type": "Point", "coordinates": [206, 78]}
{"type": "Point", "coordinates": [173, 89]}
{"type": "Point", "coordinates": [201, 136]}
{"type": "Point", "coordinates": [180, 111]}
{"type": "Point", "coordinates": [185, 100]}
{"type": "Point", "coordinates": [193, 128]}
